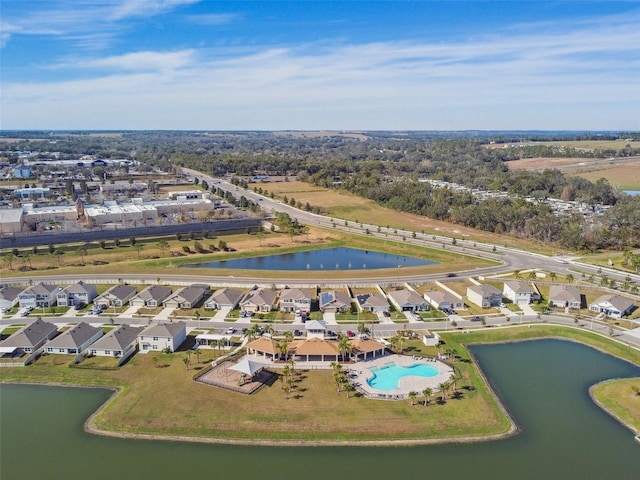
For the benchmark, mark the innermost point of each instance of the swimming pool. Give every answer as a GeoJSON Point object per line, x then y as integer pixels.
{"type": "Point", "coordinates": [386, 378]}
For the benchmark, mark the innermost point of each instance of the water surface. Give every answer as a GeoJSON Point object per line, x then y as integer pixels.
{"type": "Point", "coordinates": [544, 384]}
{"type": "Point", "coordinates": [342, 258]}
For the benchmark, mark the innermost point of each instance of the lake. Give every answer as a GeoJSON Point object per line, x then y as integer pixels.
{"type": "Point", "coordinates": [542, 383]}
{"type": "Point", "coordinates": [632, 192]}
{"type": "Point", "coordinates": [342, 258]}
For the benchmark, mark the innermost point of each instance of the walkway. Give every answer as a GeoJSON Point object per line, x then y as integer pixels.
{"type": "Point", "coordinates": [164, 314]}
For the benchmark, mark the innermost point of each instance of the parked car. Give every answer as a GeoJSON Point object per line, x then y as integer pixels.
{"type": "Point", "coordinates": [350, 334]}
{"type": "Point", "coordinates": [79, 306]}
{"type": "Point", "coordinates": [231, 331]}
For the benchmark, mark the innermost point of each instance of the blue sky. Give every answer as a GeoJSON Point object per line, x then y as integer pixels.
{"type": "Point", "coordinates": [358, 65]}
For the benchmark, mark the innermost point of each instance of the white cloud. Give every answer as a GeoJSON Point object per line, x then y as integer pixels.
{"type": "Point", "coordinates": [582, 79]}
{"type": "Point", "coordinates": [145, 8]}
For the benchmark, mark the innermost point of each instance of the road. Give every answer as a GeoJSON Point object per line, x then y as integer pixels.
{"type": "Point", "coordinates": [510, 258]}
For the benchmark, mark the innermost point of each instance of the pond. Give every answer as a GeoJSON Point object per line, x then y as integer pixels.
{"type": "Point", "coordinates": [342, 258]}
{"type": "Point", "coordinates": [543, 384]}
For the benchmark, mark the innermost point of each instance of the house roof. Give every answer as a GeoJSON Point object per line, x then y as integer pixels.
{"type": "Point", "coordinates": [155, 292]}
{"type": "Point", "coordinates": [564, 293]}
{"type": "Point", "coordinates": [619, 303]}
{"type": "Point", "coordinates": [519, 286]}
{"type": "Point", "coordinates": [74, 337]}
{"type": "Point", "coordinates": [439, 297]}
{"type": "Point", "coordinates": [118, 339]}
{"type": "Point", "coordinates": [336, 298]}
{"type": "Point", "coordinates": [261, 297]}
{"type": "Point", "coordinates": [226, 296]}
{"type": "Point", "coordinates": [484, 290]}
{"type": "Point", "coordinates": [76, 288]}
{"type": "Point", "coordinates": [166, 330]}
{"type": "Point", "coordinates": [41, 289]}
{"type": "Point", "coordinates": [30, 335]}
{"type": "Point", "coordinates": [372, 300]}
{"type": "Point", "coordinates": [10, 293]}
{"type": "Point", "coordinates": [295, 294]}
{"type": "Point", "coordinates": [120, 291]}
{"type": "Point", "coordinates": [404, 297]}
{"type": "Point", "coordinates": [189, 294]}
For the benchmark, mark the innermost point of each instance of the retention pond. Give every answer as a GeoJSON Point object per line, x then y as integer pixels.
{"type": "Point", "coordinates": [544, 384]}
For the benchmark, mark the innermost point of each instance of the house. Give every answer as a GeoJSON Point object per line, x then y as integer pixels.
{"type": "Point", "coordinates": [163, 336]}
{"type": "Point", "coordinates": [187, 297]}
{"type": "Point", "coordinates": [39, 295]}
{"type": "Point", "coordinates": [484, 296]}
{"type": "Point", "coordinates": [76, 294]}
{"type": "Point", "coordinates": [372, 302]}
{"type": "Point", "coordinates": [118, 343]}
{"type": "Point", "coordinates": [224, 298]}
{"type": "Point", "coordinates": [564, 296]}
{"type": "Point", "coordinates": [75, 340]}
{"type": "Point", "coordinates": [443, 300]}
{"type": "Point", "coordinates": [292, 299]}
{"type": "Point", "coordinates": [9, 297]}
{"type": "Point", "coordinates": [613, 306]}
{"type": "Point", "coordinates": [151, 297]}
{"type": "Point", "coordinates": [519, 292]}
{"type": "Point", "coordinates": [334, 302]}
{"type": "Point", "coordinates": [407, 301]}
{"type": "Point", "coordinates": [261, 300]}
{"type": "Point", "coordinates": [116, 296]}
{"type": "Point", "coordinates": [31, 337]}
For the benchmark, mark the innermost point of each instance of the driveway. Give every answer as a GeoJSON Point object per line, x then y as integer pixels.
{"type": "Point", "coordinates": [129, 312]}
{"type": "Point", "coordinates": [164, 314]}
{"type": "Point", "coordinates": [221, 314]}
{"type": "Point", "coordinates": [329, 318]}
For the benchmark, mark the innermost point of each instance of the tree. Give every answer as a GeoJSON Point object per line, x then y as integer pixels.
{"type": "Point", "coordinates": [82, 251]}
{"type": "Point", "coordinates": [283, 347]}
{"type": "Point", "coordinates": [344, 346]}
{"type": "Point", "coordinates": [413, 396]}
{"type": "Point", "coordinates": [427, 392]}
{"type": "Point", "coordinates": [139, 248]}
{"type": "Point", "coordinates": [443, 387]}
{"type": "Point", "coordinates": [163, 245]}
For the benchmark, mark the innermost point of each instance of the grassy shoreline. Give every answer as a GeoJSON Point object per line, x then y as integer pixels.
{"type": "Point", "coordinates": [314, 415]}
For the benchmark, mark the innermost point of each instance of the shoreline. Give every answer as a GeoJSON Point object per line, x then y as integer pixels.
{"type": "Point", "coordinates": [595, 400]}
{"type": "Point", "coordinates": [513, 429]}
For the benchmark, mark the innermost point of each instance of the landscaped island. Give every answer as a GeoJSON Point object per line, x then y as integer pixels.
{"type": "Point", "coordinates": [159, 398]}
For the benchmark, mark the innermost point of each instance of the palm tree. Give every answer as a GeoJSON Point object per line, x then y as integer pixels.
{"type": "Point", "coordinates": [401, 341]}
{"type": "Point", "coordinates": [344, 346]}
{"type": "Point", "coordinates": [285, 375]}
{"type": "Point", "coordinates": [553, 276]}
{"type": "Point", "coordinates": [516, 273]}
{"type": "Point", "coordinates": [452, 381]}
{"type": "Point", "coordinates": [443, 387]}
{"type": "Point", "coordinates": [283, 346]}
{"type": "Point", "coordinates": [198, 352]}
{"type": "Point", "coordinates": [413, 395]}
{"type": "Point", "coordinates": [427, 392]}
{"type": "Point", "coordinates": [570, 278]}
{"type": "Point", "coordinates": [292, 364]}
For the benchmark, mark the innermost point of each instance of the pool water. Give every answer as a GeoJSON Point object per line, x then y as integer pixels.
{"type": "Point", "coordinates": [387, 377]}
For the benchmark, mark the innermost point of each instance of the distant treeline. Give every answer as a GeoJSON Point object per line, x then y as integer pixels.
{"type": "Point", "coordinates": [386, 167]}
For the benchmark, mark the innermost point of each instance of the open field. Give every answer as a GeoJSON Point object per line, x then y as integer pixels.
{"type": "Point", "coordinates": [152, 259]}
{"type": "Point", "coordinates": [587, 145]}
{"type": "Point", "coordinates": [150, 388]}
{"type": "Point", "coordinates": [621, 399]}
{"type": "Point", "coordinates": [350, 207]}
{"type": "Point", "coordinates": [540, 163]}
{"type": "Point", "coordinates": [625, 176]}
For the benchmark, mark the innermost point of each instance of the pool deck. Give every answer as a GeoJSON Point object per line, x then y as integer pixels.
{"type": "Point", "coordinates": [361, 372]}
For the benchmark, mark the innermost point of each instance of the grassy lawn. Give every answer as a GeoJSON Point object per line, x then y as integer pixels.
{"type": "Point", "coordinates": [123, 260]}
{"type": "Point", "coordinates": [621, 398]}
{"type": "Point", "coordinates": [150, 388]}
